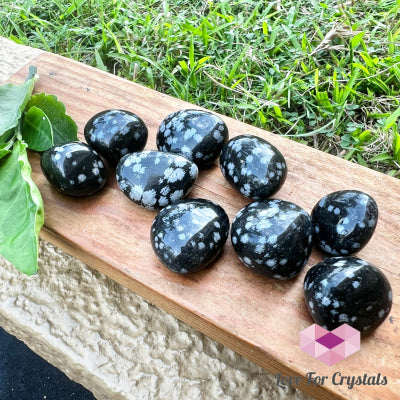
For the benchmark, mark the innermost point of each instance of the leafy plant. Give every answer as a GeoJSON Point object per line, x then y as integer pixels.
{"type": "Point", "coordinates": [26, 121]}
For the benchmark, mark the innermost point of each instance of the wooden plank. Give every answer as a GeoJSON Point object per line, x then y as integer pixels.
{"type": "Point", "coordinates": [255, 316]}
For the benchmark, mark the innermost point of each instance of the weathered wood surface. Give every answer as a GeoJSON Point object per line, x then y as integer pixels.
{"type": "Point", "coordinates": [255, 316]}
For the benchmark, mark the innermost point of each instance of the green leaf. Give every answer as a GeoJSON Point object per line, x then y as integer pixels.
{"type": "Point", "coordinates": [13, 99]}
{"type": "Point", "coordinates": [391, 119]}
{"type": "Point", "coordinates": [4, 152]}
{"type": "Point", "coordinates": [64, 127]}
{"type": "Point", "coordinates": [36, 130]}
{"type": "Point", "coordinates": [203, 60]}
{"type": "Point", "coordinates": [99, 61]}
{"type": "Point", "coordinates": [278, 111]}
{"type": "Point", "coordinates": [265, 29]}
{"type": "Point", "coordinates": [21, 211]}
{"type": "Point", "coordinates": [396, 146]}
{"type": "Point", "coordinates": [356, 39]}
{"type": "Point", "coordinates": [191, 53]}
{"type": "Point", "coordinates": [184, 66]}
{"type": "Point", "coordinates": [381, 157]}
{"type": "Point", "coordinates": [361, 161]}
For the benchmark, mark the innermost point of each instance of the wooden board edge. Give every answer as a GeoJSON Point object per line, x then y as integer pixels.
{"type": "Point", "coordinates": [237, 344]}
{"type": "Point", "coordinates": [245, 349]}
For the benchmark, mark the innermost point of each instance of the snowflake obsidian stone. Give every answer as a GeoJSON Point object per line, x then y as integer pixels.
{"type": "Point", "coordinates": [74, 169]}
{"type": "Point", "coordinates": [188, 235]}
{"type": "Point", "coordinates": [347, 290]}
{"type": "Point", "coordinates": [253, 166]}
{"type": "Point", "coordinates": [273, 238]}
{"type": "Point", "coordinates": [154, 179]}
{"type": "Point", "coordinates": [114, 133]}
{"type": "Point", "coordinates": [195, 134]}
{"type": "Point", "coordinates": [344, 221]}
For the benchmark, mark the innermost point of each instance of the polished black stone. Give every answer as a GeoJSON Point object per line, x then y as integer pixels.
{"type": "Point", "coordinates": [344, 221]}
{"type": "Point", "coordinates": [187, 236]}
{"type": "Point", "coordinates": [195, 134]}
{"type": "Point", "coordinates": [114, 133]}
{"type": "Point", "coordinates": [154, 179]}
{"type": "Point", "coordinates": [347, 290]}
{"type": "Point", "coordinates": [74, 169]}
{"type": "Point", "coordinates": [253, 166]}
{"type": "Point", "coordinates": [273, 238]}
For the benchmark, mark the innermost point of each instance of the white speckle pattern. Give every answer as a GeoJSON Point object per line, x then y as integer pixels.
{"type": "Point", "coordinates": [264, 230]}
{"type": "Point", "coordinates": [165, 178]}
{"type": "Point", "coordinates": [136, 192]}
{"type": "Point", "coordinates": [247, 260]}
{"type": "Point", "coordinates": [343, 318]}
{"type": "Point", "coordinates": [115, 133]}
{"type": "Point", "coordinates": [195, 134]}
{"type": "Point", "coordinates": [244, 238]}
{"type": "Point", "coordinates": [346, 221]}
{"type": "Point", "coordinates": [174, 174]}
{"type": "Point", "coordinates": [81, 178]}
{"type": "Point", "coordinates": [326, 301]}
{"type": "Point", "coordinates": [190, 235]}
{"type": "Point", "coordinates": [177, 195]}
{"type": "Point", "coordinates": [217, 236]}
{"type": "Point", "coordinates": [335, 304]}
{"type": "Point", "coordinates": [258, 174]}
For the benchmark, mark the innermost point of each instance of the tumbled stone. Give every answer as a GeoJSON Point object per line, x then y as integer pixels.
{"type": "Point", "coordinates": [154, 179]}
{"type": "Point", "coordinates": [195, 134]}
{"type": "Point", "coordinates": [273, 237]}
{"type": "Point", "coordinates": [115, 133]}
{"type": "Point", "coordinates": [344, 221]}
{"type": "Point", "coordinates": [188, 235]}
{"type": "Point", "coordinates": [74, 169]}
{"type": "Point", "coordinates": [253, 166]}
{"type": "Point", "coordinates": [347, 290]}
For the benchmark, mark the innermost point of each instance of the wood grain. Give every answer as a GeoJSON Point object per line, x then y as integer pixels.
{"type": "Point", "coordinates": [257, 317]}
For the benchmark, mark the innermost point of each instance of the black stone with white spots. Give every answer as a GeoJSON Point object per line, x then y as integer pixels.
{"type": "Point", "coordinates": [273, 238]}
{"type": "Point", "coordinates": [74, 169]}
{"type": "Point", "coordinates": [195, 134]}
{"type": "Point", "coordinates": [154, 179]}
{"type": "Point", "coordinates": [347, 290]}
{"type": "Point", "coordinates": [344, 222]}
{"type": "Point", "coordinates": [115, 133]}
{"type": "Point", "coordinates": [253, 166]}
{"type": "Point", "coordinates": [188, 235]}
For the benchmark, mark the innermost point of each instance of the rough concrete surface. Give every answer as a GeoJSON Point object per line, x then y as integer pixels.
{"type": "Point", "coordinates": [109, 339]}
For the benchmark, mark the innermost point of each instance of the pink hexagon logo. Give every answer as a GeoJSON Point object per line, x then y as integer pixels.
{"type": "Point", "coordinates": [330, 347]}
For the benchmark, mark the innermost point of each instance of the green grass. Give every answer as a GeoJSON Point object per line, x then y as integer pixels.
{"type": "Point", "coordinates": [326, 74]}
